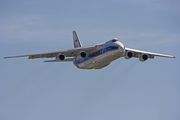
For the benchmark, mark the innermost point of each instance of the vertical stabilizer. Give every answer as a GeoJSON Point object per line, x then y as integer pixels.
{"type": "Point", "coordinates": [76, 40]}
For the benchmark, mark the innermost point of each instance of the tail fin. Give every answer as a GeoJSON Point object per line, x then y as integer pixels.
{"type": "Point", "coordinates": [76, 40]}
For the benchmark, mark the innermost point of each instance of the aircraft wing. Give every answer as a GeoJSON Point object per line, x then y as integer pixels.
{"type": "Point", "coordinates": [68, 53]}
{"type": "Point", "coordinates": [138, 53]}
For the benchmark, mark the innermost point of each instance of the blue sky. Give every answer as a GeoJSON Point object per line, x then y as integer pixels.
{"type": "Point", "coordinates": [126, 89]}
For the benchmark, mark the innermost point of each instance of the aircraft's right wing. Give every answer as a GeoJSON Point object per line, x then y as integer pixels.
{"type": "Point", "coordinates": [68, 53]}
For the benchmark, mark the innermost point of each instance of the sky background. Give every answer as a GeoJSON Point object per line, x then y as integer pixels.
{"type": "Point", "coordinates": [124, 90]}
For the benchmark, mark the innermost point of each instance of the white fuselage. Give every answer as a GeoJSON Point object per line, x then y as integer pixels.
{"type": "Point", "coordinates": [103, 56]}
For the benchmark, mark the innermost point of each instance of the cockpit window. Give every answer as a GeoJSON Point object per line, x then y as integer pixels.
{"type": "Point", "coordinates": [114, 40]}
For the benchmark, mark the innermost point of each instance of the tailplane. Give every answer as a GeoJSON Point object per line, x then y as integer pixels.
{"type": "Point", "coordinates": [76, 40]}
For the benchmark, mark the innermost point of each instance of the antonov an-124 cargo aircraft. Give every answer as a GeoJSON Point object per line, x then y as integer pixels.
{"type": "Point", "coordinates": [95, 56]}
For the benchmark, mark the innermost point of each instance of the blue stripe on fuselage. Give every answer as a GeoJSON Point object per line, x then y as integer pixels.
{"type": "Point", "coordinates": [97, 53]}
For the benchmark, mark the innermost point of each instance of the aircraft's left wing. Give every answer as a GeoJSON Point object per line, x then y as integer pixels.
{"type": "Point", "coordinates": [68, 53]}
{"type": "Point", "coordinates": [138, 53]}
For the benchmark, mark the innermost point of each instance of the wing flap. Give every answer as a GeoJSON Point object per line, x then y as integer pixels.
{"type": "Point", "coordinates": [137, 53]}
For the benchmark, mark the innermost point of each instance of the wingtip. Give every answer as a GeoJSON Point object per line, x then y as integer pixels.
{"type": "Point", "coordinates": [7, 57]}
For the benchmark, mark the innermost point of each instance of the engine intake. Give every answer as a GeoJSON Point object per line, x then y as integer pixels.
{"type": "Point", "coordinates": [81, 55]}
{"type": "Point", "coordinates": [60, 57]}
{"type": "Point", "coordinates": [143, 57]}
{"type": "Point", "coordinates": [128, 55]}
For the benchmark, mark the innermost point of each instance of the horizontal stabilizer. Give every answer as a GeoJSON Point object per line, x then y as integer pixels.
{"type": "Point", "coordinates": [66, 60]}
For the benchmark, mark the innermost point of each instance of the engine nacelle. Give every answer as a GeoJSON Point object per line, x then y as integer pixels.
{"type": "Point", "coordinates": [128, 55]}
{"type": "Point", "coordinates": [143, 57]}
{"type": "Point", "coordinates": [60, 57]}
{"type": "Point", "coordinates": [81, 55]}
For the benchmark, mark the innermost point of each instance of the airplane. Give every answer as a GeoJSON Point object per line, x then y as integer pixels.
{"type": "Point", "coordinates": [96, 56]}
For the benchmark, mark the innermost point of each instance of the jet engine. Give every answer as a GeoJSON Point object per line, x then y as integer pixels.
{"type": "Point", "coordinates": [128, 55]}
{"type": "Point", "coordinates": [143, 57]}
{"type": "Point", "coordinates": [60, 57]}
{"type": "Point", "coordinates": [81, 55]}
